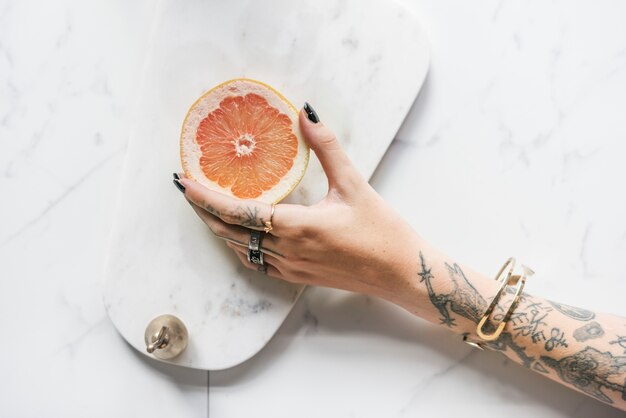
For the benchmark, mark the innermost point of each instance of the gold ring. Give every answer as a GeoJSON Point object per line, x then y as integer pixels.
{"type": "Point", "coordinates": [268, 224]}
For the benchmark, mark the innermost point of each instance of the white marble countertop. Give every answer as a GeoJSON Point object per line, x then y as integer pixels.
{"type": "Point", "coordinates": [514, 147]}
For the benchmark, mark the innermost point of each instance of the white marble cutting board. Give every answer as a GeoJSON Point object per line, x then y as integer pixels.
{"type": "Point", "coordinates": [360, 75]}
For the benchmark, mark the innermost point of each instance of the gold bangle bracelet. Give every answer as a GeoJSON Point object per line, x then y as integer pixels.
{"type": "Point", "coordinates": [506, 277]}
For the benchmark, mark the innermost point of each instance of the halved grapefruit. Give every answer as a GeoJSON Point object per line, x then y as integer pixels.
{"type": "Point", "coordinates": [242, 138]}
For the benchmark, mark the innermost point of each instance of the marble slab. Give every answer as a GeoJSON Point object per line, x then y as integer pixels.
{"type": "Point", "coordinates": [527, 94]}
{"type": "Point", "coordinates": [360, 63]}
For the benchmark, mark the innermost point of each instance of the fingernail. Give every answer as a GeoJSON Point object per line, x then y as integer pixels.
{"type": "Point", "coordinates": [176, 176]}
{"type": "Point", "coordinates": [179, 185]}
{"type": "Point", "coordinates": [310, 113]}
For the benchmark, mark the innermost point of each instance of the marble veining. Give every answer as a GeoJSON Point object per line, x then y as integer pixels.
{"type": "Point", "coordinates": [522, 100]}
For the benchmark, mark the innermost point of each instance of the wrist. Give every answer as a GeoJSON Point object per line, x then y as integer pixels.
{"type": "Point", "coordinates": [434, 287]}
{"type": "Point", "coordinates": [402, 286]}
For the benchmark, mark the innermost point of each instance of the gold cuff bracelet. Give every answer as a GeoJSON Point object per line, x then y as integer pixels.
{"type": "Point", "coordinates": [506, 277]}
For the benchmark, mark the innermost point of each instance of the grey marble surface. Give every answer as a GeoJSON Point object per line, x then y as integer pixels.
{"type": "Point", "coordinates": [514, 147]}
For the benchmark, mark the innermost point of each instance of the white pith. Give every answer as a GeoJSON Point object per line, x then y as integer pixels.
{"type": "Point", "coordinates": [241, 145]}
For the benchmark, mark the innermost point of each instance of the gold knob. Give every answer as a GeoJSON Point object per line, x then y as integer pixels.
{"type": "Point", "coordinates": [166, 337]}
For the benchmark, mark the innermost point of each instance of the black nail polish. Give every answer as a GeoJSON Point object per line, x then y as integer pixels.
{"type": "Point", "coordinates": [179, 185]}
{"type": "Point", "coordinates": [176, 176]}
{"type": "Point", "coordinates": [310, 113]}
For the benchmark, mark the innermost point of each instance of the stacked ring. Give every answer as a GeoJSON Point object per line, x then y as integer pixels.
{"type": "Point", "coordinates": [254, 248]}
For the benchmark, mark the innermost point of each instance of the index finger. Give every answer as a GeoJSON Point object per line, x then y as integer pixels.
{"type": "Point", "coordinates": [249, 213]}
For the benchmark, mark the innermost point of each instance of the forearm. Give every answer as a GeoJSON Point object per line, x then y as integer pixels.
{"type": "Point", "coordinates": [573, 346]}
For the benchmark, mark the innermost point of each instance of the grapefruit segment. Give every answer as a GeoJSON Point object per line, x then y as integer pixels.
{"type": "Point", "coordinates": [242, 138]}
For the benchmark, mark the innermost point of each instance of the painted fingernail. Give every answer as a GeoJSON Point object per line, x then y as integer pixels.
{"type": "Point", "coordinates": [176, 176]}
{"type": "Point", "coordinates": [310, 113]}
{"type": "Point", "coordinates": [179, 185]}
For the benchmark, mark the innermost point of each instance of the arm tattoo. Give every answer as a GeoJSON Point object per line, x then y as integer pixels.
{"type": "Point", "coordinates": [532, 323]}
{"type": "Point", "coordinates": [506, 341]}
{"type": "Point", "coordinates": [589, 331]}
{"type": "Point", "coordinates": [574, 312]}
{"type": "Point", "coordinates": [540, 368]}
{"type": "Point", "coordinates": [557, 339]}
{"type": "Point", "coordinates": [463, 299]}
{"type": "Point", "coordinates": [529, 322]}
{"type": "Point", "coordinates": [589, 371]}
{"type": "Point", "coordinates": [621, 341]}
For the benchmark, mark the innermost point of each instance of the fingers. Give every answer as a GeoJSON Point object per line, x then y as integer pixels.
{"type": "Point", "coordinates": [341, 173]}
{"type": "Point", "coordinates": [236, 234]}
{"type": "Point", "coordinates": [268, 268]}
{"type": "Point", "coordinates": [249, 213]}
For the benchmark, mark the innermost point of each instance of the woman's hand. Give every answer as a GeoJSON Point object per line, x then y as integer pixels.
{"type": "Point", "coordinates": [350, 240]}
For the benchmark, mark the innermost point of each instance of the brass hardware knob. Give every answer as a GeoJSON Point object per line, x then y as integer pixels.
{"type": "Point", "coordinates": [166, 337]}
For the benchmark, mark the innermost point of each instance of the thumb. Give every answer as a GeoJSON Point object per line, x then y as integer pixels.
{"type": "Point", "coordinates": [342, 175]}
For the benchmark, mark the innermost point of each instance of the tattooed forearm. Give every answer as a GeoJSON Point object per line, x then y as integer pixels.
{"type": "Point", "coordinates": [505, 342]}
{"type": "Point", "coordinates": [467, 302]}
{"type": "Point", "coordinates": [589, 370]}
{"type": "Point", "coordinates": [529, 320]}
{"type": "Point", "coordinates": [462, 299]}
{"type": "Point", "coordinates": [542, 335]}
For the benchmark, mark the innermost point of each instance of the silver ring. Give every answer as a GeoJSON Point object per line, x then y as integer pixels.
{"type": "Point", "coordinates": [254, 248]}
{"type": "Point", "coordinates": [255, 257]}
{"type": "Point", "coordinates": [255, 240]}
